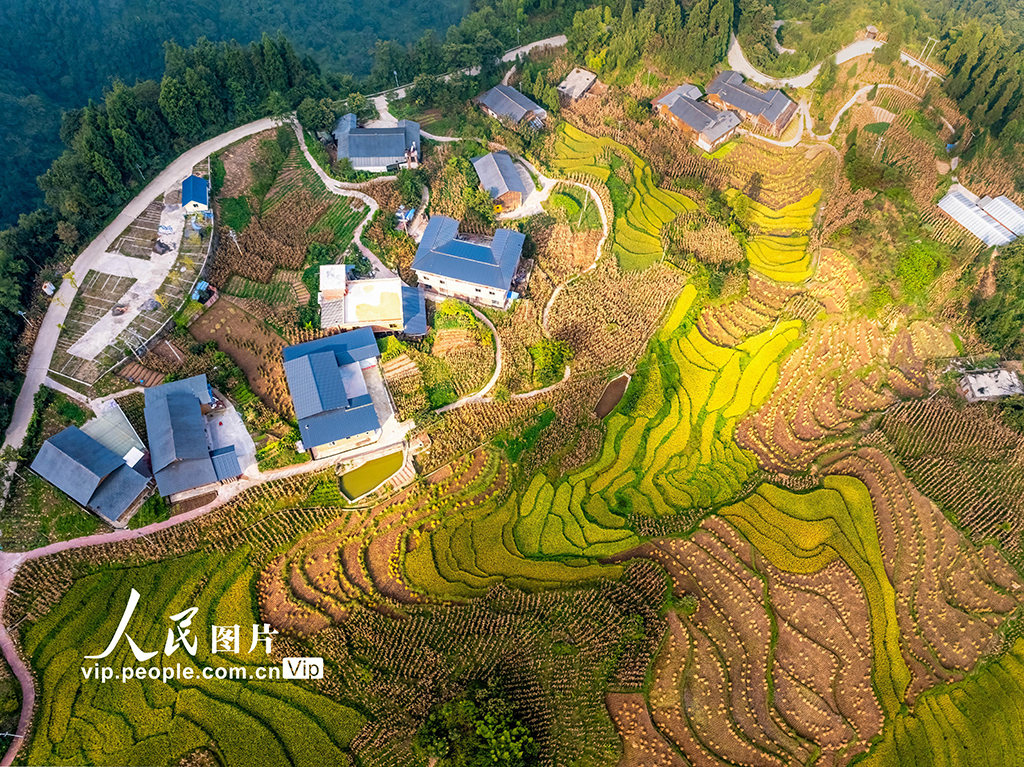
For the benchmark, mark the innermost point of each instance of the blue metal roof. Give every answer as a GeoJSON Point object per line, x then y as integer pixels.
{"type": "Point", "coordinates": [326, 410]}
{"type": "Point", "coordinates": [75, 463]}
{"type": "Point", "coordinates": [225, 463]}
{"type": "Point", "coordinates": [118, 492]}
{"type": "Point", "coordinates": [492, 266]}
{"type": "Point", "coordinates": [414, 312]}
{"type": "Point", "coordinates": [352, 346]}
{"type": "Point", "coordinates": [195, 189]}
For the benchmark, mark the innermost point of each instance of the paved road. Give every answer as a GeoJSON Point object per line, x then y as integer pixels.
{"type": "Point", "coordinates": [49, 331]}
{"type": "Point", "coordinates": [381, 99]}
{"type": "Point", "coordinates": [738, 62]}
{"type": "Point", "coordinates": [348, 190]}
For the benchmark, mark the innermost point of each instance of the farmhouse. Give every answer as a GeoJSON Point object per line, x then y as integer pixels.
{"type": "Point", "coordinates": [90, 474]}
{"type": "Point", "coordinates": [706, 126]}
{"type": "Point", "coordinates": [509, 105]}
{"type": "Point", "coordinates": [195, 195]}
{"type": "Point", "coordinates": [576, 84]}
{"type": "Point", "coordinates": [769, 110]}
{"type": "Point", "coordinates": [377, 149]}
{"type": "Point", "coordinates": [384, 305]}
{"type": "Point", "coordinates": [990, 384]}
{"type": "Point", "coordinates": [181, 451]}
{"type": "Point", "coordinates": [339, 395]}
{"type": "Point", "coordinates": [996, 221]}
{"type": "Point", "coordinates": [480, 272]}
{"type": "Point", "coordinates": [499, 177]}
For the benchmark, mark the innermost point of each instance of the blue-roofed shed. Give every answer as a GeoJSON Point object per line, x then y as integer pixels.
{"type": "Point", "coordinates": [414, 312]}
{"type": "Point", "coordinates": [89, 473]}
{"type": "Point", "coordinates": [469, 270]}
{"type": "Point", "coordinates": [195, 194]}
{"type": "Point", "coordinates": [332, 403]}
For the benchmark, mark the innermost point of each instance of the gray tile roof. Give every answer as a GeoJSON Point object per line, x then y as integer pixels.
{"type": "Point", "coordinates": [89, 473]}
{"type": "Point", "coordinates": [179, 452]}
{"type": "Point", "coordinates": [509, 103]}
{"type": "Point", "coordinates": [414, 312]}
{"type": "Point", "coordinates": [196, 385]}
{"type": "Point", "coordinates": [118, 492]}
{"type": "Point", "coordinates": [375, 147]}
{"type": "Point", "coordinates": [75, 463]}
{"type": "Point", "coordinates": [498, 174]}
{"type": "Point", "coordinates": [491, 265]}
{"type": "Point", "coordinates": [729, 86]}
{"type": "Point", "coordinates": [686, 90]}
{"type": "Point", "coordinates": [176, 429]}
{"type": "Point", "coordinates": [327, 388]}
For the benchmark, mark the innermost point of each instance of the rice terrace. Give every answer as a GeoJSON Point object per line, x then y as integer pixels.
{"type": "Point", "coordinates": [667, 413]}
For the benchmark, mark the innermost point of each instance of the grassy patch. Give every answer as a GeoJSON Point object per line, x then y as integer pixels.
{"type": "Point", "coordinates": [235, 213]}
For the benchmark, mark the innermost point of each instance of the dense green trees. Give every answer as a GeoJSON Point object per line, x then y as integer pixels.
{"type": "Point", "coordinates": [987, 77]}
{"type": "Point", "coordinates": [57, 55]}
{"type": "Point", "coordinates": [477, 729]}
{"type": "Point", "coordinates": [1001, 316]}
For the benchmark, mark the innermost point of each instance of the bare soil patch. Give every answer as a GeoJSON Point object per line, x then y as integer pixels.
{"type": "Point", "coordinates": [253, 347]}
{"type": "Point", "coordinates": [611, 396]}
{"type": "Point", "coordinates": [237, 160]}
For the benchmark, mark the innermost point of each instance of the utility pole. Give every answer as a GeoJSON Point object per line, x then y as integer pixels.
{"type": "Point", "coordinates": [934, 43]}
{"type": "Point", "coordinates": [395, 73]}
{"type": "Point", "coordinates": [518, 30]}
{"type": "Point", "coordinates": [877, 147]}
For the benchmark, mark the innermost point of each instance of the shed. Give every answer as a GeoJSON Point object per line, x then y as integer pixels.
{"type": "Point", "coordinates": [576, 84]}
{"type": "Point", "coordinates": [195, 194]}
{"type": "Point", "coordinates": [990, 384]}
{"type": "Point", "coordinates": [974, 219]}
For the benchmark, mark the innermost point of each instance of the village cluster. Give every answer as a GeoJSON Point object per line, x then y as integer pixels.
{"type": "Point", "coordinates": [341, 401]}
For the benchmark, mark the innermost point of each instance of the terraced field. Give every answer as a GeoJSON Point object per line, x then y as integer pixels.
{"type": "Point", "coordinates": [640, 218]}
{"type": "Point", "coordinates": [156, 722]}
{"type": "Point", "coordinates": [779, 249]}
{"type": "Point", "coordinates": [786, 546]}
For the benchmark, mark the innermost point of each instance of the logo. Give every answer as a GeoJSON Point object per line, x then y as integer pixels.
{"type": "Point", "coordinates": [303, 668]}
